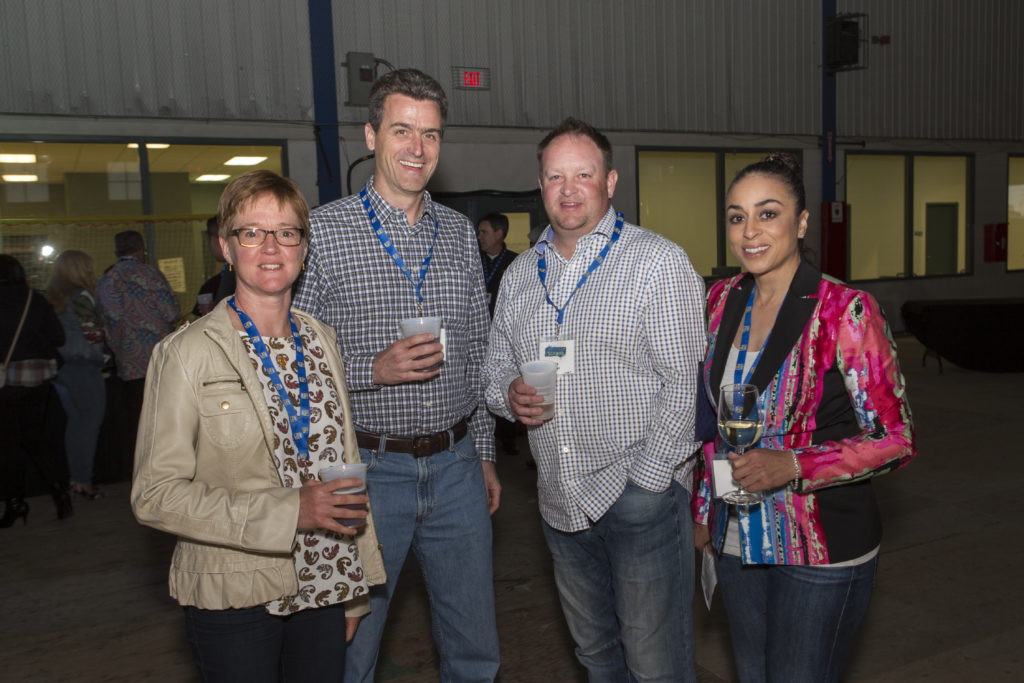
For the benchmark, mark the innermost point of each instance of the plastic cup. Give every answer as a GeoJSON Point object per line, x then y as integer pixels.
{"type": "Point", "coordinates": [542, 375]}
{"type": "Point", "coordinates": [414, 326]}
{"type": "Point", "coordinates": [348, 470]}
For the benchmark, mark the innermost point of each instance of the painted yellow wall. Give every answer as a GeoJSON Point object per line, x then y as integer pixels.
{"type": "Point", "coordinates": [939, 180]}
{"type": "Point", "coordinates": [875, 193]}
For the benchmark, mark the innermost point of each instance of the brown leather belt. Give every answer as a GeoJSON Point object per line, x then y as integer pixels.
{"type": "Point", "coordinates": [417, 446]}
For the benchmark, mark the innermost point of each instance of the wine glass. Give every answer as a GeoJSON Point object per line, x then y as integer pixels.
{"type": "Point", "coordinates": [740, 424]}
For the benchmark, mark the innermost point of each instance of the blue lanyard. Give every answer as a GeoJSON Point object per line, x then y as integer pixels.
{"type": "Point", "coordinates": [494, 268]}
{"type": "Point", "coordinates": [741, 358]}
{"type": "Point", "coordinates": [378, 230]}
{"type": "Point", "coordinates": [542, 269]}
{"type": "Point", "coordinates": [299, 423]}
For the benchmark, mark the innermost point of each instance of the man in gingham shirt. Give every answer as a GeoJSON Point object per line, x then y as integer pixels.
{"type": "Point", "coordinates": [375, 258]}
{"type": "Point", "coordinates": [614, 465]}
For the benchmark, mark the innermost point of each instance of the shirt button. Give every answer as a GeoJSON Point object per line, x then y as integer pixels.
{"type": "Point", "coordinates": [225, 405]}
{"type": "Point", "coordinates": [565, 449]}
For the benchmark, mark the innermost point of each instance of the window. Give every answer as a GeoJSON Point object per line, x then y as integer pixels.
{"type": "Point", "coordinates": [77, 195]}
{"type": "Point", "coordinates": [907, 215]}
{"type": "Point", "coordinates": [681, 196]}
{"type": "Point", "coordinates": [1015, 215]}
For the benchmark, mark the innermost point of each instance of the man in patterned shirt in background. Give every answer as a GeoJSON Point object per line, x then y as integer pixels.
{"type": "Point", "coordinates": [621, 311]}
{"type": "Point", "coordinates": [385, 254]}
{"type": "Point", "coordinates": [139, 309]}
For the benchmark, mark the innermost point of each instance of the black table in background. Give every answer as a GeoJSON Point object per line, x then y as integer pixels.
{"type": "Point", "coordinates": [976, 334]}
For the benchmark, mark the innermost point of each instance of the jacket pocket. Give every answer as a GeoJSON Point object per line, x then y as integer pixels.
{"type": "Point", "coordinates": [226, 413]}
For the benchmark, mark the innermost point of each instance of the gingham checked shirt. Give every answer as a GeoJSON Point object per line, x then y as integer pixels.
{"type": "Point", "coordinates": [627, 412]}
{"type": "Point", "coordinates": [352, 284]}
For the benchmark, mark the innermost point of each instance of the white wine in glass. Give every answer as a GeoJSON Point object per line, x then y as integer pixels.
{"type": "Point", "coordinates": [740, 424]}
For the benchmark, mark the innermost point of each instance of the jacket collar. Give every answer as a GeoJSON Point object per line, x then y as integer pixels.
{"type": "Point", "coordinates": [797, 308]}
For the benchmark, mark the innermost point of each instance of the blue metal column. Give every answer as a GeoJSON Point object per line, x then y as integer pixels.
{"type": "Point", "coordinates": [828, 110]}
{"type": "Point", "coordinates": [325, 101]}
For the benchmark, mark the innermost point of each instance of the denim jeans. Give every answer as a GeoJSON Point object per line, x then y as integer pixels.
{"type": "Point", "coordinates": [252, 646]}
{"type": "Point", "coordinates": [626, 588]}
{"type": "Point", "coordinates": [793, 623]}
{"type": "Point", "coordinates": [83, 396]}
{"type": "Point", "coordinates": [437, 506]}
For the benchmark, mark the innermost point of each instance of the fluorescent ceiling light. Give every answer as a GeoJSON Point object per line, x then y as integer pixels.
{"type": "Point", "coordinates": [17, 158]}
{"type": "Point", "coordinates": [212, 177]}
{"type": "Point", "coordinates": [149, 145]}
{"type": "Point", "coordinates": [20, 178]}
{"type": "Point", "coordinates": [244, 161]}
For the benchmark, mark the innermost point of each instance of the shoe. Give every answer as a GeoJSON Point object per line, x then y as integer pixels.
{"type": "Point", "coordinates": [88, 492]}
{"type": "Point", "coordinates": [14, 508]}
{"type": "Point", "coordinates": [62, 499]}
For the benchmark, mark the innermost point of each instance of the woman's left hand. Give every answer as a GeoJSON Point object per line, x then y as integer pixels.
{"type": "Point", "coordinates": [761, 469]}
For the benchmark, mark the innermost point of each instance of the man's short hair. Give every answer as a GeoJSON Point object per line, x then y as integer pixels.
{"type": "Point", "coordinates": [409, 82]}
{"type": "Point", "coordinates": [498, 221]}
{"type": "Point", "coordinates": [572, 126]}
{"type": "Point", "coordinates": [248, 187]}
{"type": "Point", "coordinates": [128, 242]}
{"type": "Point", "coordinates": [211, 227]}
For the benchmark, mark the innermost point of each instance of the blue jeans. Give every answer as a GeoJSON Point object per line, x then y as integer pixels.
{"type": "Point", "coordinates": [437, 506]}
{"type": "Point", "coordinates": [626, 587]}
{"type": "Point", "coordinates": [793, 623]}
{"type": "Point", "coordinates": [83, 395]}
{"type": "Point", "coordinates": [252, 646]}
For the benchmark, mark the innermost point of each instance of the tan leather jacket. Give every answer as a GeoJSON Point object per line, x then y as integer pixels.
{"type": "Point", "coordinates": [203, 470]}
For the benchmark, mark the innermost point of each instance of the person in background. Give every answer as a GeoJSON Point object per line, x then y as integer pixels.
{"type": "Point", "coordinates": [243, 410]}
{"type": "Point", "coordinates": [620, 309]}
{"type": "Point", "coordinates": [139, 309]}
{"type": "Point", "coordinates": [80, 378]}
{"type": "Point", "coordinates": [797, 569]}
{"type": "Point", "coordinates": [221, 285]}
{"type": "Point", "coordinates": [375, 258]}
{"type": "Point", "coordinates": [495, 257]}
{"type": "Point", "coordinates": [32, 364]}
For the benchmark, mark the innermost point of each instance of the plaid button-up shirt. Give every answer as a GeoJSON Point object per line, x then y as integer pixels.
{"type": "Point", "coordinates": [352, 284]}
{"type": "Point", "coordinates": [627, 411]}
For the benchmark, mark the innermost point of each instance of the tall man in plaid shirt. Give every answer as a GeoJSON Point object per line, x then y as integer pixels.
{"type": "Point", "coordinates": [621, 310]}
{"type": "Point", "coordinates": [375, 258]}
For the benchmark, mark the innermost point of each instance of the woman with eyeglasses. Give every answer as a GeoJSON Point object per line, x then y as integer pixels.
{"type": "Point", "coordinates": [242, 411]}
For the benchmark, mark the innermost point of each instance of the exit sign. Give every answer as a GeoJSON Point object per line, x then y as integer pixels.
{"type": "Point", "coordinates": [471, 78]}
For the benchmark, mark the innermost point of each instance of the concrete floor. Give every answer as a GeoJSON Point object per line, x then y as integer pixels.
{"type": "Point", "coordinates": [86, 599]}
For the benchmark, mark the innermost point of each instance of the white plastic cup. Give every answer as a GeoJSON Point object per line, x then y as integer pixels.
{"type": "Point", "coordinates": [542, 375]}
{"type": "Point", "coordinates": [348, 470]}
{"type": "Point", "coordinates": [414, 326]}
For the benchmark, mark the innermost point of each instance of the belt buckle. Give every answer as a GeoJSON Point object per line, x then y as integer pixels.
{"type": "Point", "coordinates": [421, 446]}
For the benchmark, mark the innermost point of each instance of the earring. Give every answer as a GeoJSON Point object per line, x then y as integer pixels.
{"type": "Point", "coordinates": [303, 266]}
{"type": "Point", "coordinates": [230, 268]}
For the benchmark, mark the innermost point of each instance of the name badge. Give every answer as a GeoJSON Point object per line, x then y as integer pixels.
{"type": "Point", "coordinates": [560, 350]}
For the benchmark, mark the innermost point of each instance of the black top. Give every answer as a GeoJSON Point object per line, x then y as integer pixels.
{"type": "Point", "coordinates": [41, 334]}
{"type": "Point", "coordinates": [494, 269]}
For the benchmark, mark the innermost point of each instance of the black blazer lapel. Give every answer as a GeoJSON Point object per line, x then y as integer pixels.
{"type": "Point", "coordinates": [732, 316]}
{"type": "Point", "coordinates": [796, 310]}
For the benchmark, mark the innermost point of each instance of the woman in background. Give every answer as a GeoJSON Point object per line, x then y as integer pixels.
{"type": "Point", "coordinates": [80, 379]}
{"type": "Point", "coordinates": [25, 393]}
{"type": "Point", "coordinates": [798, 568]}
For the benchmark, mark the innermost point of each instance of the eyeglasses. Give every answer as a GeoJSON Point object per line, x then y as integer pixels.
{"type": "Point", "coordinates": [255, 237]}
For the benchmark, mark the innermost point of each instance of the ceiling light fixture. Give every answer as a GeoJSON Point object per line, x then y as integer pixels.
{"type": "Point", "coordinates": [212, 177]}
{"type": "Point", "coordinates": [244, 161]}
{"type": "Point", "coordinates": [20, 178]}
{"type": "Point", "coordinates": [17, 158]}
{"type": "Point", "coordinates": [150, 145]}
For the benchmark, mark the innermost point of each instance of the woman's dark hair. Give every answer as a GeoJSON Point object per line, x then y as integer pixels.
{"type": "Point", "coordinates": [779, 165]}
{"type": "Point", "coordinates": [786, 168]}
{"type": "Point", "coordinates": [11, 272]}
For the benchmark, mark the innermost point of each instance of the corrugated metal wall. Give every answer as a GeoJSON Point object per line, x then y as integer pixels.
{"type": "Point", "coordinates": [641, 65]}
{"type": "Point", "coordinates": [220, 59]}
{"type": "Point", "coordinates": [954, 68]}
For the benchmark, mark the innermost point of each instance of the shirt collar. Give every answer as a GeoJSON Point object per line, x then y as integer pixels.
{"type": "Point", "coordinates": [604, 227]}
{"type": "Point", "coordinates": [382, 208]}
